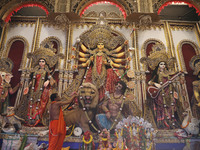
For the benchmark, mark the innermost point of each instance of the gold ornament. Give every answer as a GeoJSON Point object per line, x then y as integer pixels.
{"type": "Point", "coordinates": [130, 74]}
{"type": "Point", "coordinates": [48, 54]}
{"type": "Point", "coordinates": [131, 84]}
{"type": "Point", "coordinates": [6, 65]}
{"type": "Point", "coordinates": [157, 55]}
{"type": "Point", "coordinates": [101, 34]}
{"type": "Point", "coordinates": [90, 140]}
{"type": "Point", "coordinates": [195, 64]}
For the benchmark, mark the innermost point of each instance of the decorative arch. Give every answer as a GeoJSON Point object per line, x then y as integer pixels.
{"type": "Point", "coordinates": [144, 48]}
{"type": "Point", "coordinates": [55, 39]}
{"type": "Point", "coordinates": [179, 48]}
{"type": "Point", "coordinates": [83, 5]}
{"type": "Point", "coordinates": [16, 49]}
{"type": "Point", "coordinates": [145, 44]}
{"type": "Point", "coordinates": [185, 53]}
{"type": "Point", "coordinates": [26, 48]}
{"type": "Point", "coordinates": [190, 3]}
{"type": "Point", "coordinates": [9, 9]}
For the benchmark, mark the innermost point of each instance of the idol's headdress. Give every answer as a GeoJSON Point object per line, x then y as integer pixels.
{"type": "Point", "coordinates": [157, 55]}
{"type": "Point", "coordinates": [195, 64]}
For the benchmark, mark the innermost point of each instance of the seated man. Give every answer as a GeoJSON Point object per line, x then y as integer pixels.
{"type": "Point", "coordinates": [112, 107]}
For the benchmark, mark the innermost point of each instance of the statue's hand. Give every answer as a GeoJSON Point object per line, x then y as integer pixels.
{"type": "Point", "coordinates": [92, 58]}
{"type": "Point", "coordinates": [198, 104]}
{"type": "Point", "coordinates": [26, 90]}
{"type": "Point", "coordinates": [46, 83]}
{"type": "Point", "coordinates": [157, 85]}
{"type": "Point", "coordinates": [175, 95]}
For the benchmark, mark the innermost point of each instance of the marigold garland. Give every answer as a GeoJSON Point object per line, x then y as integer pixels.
{"type": "Point", "coordinates": [88, 142]}
{"type": "Point", "coordinates": [104, 139]}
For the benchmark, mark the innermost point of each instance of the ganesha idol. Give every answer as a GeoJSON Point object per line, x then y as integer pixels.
{"type": "Point", "coordinates": [6, 66]}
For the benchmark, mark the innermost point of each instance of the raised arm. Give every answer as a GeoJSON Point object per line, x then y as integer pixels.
{"type": "Point", "coordinates": [65, 102]}
{"type": "Point", "coordinates": [85, 64]}
{"type": "Point", "coordinates": [84, 48]}
{"type": "Point", "coordinates": [104, 106]}
{"type": "Point", "coordinates": [119, 48]}
{"type": "Point", "coordinates": [13, 90]}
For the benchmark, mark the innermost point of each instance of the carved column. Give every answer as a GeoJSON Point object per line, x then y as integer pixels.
{"type": "Point", "coordinates": [68, 5]}
{"type": "Point", "coordinates": [182, 87]}
{"type": "Point", "coordinates": [136, 54]}
{"type": "Point", "coordinates": [143, 80]}
{"type": "Point", "coordinates": [35, 42]}
{"type": "Point", "coordinates": [198, 32]}
{"type": "Point", "coordinates": [25, 82]}
{"type": "Point", "coordinates": [145, 6]}
{"type": "Point", "coordinates": [60, 82]}
{"type": "Point", "coordinates": [3, 38]}
{"type": "Point", "coordinates": [137, 91]}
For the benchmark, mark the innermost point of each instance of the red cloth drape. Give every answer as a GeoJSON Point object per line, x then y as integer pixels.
{"type": "Point", "coordinates": [15, 54]}
{"type": "Point", "coordinates": [188, 52]}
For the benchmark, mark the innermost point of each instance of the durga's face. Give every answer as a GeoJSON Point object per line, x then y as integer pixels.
{"type": "Point", "coordinates": [100, 46]}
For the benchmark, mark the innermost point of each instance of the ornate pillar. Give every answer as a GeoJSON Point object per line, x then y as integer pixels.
{"type": "Point", "coordinates": [143, 81]}
{"type": "Point", "coordinates": [60, 82]}
{"type": "Point", "coordinates": [25, 83]}
{"type": "Point", "coordinates": [183, 93]}
{"type": "Point", "coordinates": [68, 5]}
{"type": "Point", "coordinates": [137, 91]}
{"type": "Point", "coordinates": [198, 33]}
{"type": "Point", "coordinates": [137, 63]}
{"type": "Point", "coordinates": [3, 38]}
{"type": "Point", "coordinates": [145, 6]}
{"type": "Point", "coordinates": [138, 5]}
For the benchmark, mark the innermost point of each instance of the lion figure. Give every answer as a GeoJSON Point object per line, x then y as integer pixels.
{"type": "Point", "coordinates": [88, 97]}
{"type": "Point", "coordinates": [11, 120]}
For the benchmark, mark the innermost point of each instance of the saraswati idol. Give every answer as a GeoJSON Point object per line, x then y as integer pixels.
{"type": "Point", "coordinates": [161, 88]}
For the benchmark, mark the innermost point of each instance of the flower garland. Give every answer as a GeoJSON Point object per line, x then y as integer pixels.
{"type": "Point", "coordinates": [178, 1]}
{"type": "Point", "coordinates": [104, 139]}
{"type": "Point", "coordinates": [121, 133]}
{"type": "Point", "coordinates": [90, 140]}
{"type": "Point", "coordinates": [104, 2]}
{"type": "Point", "coordinates": [25, 5]}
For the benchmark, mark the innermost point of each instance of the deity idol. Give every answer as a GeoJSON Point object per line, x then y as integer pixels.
{"type": "Point", "coordinates": [102, 66]}
{"type": "Point", "coordinates": [39, 88]}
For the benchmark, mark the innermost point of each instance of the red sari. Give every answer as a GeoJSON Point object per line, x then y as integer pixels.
{"type": "Point", "coordinates": [37, 106]}
{"type": "Point", "coordinates": [110, 77]}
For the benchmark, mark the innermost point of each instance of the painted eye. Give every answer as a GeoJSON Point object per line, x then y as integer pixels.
{"type": "Point", "coordinates": [82, 91]}
{"type": "Point", "coordinates": [92, 92]}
